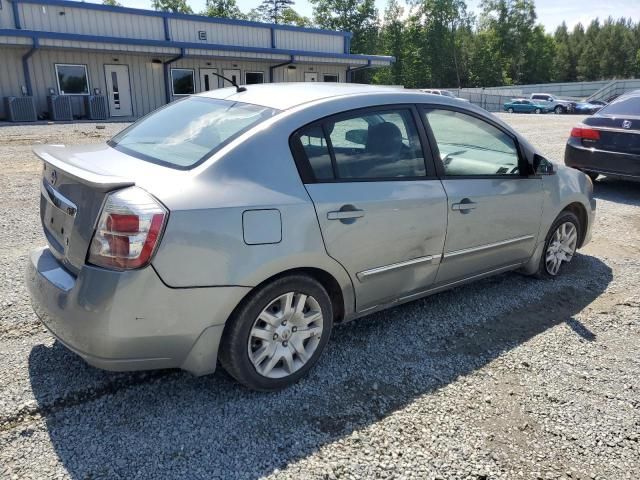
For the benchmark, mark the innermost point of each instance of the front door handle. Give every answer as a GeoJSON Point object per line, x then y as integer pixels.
{"type": "Point", "coordinates": [464, 206]}
{"type": "Point", "coordinates": [347, 214]}
{"type": "Point", "coordinates": [344, 214]}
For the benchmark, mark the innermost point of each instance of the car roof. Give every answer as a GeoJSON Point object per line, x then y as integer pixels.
{"type": "Point", "coordinates": [283, 96]}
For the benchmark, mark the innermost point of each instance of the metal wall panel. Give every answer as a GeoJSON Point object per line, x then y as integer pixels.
{"type": "Point", "coordinates": [278, 58]}
{"type": "Point", "coordinates": [309, 42]}
{"type": "Point", "coordinates": [111, 47]}
{"type": "Point", "coordinates": [284, 74]}
{"type": "Point", "coordinates": [6, 15]}
{"type": "Point", "coordinates": [11, 78]}
{"type": "Point", "coordinates": [90, 22]}
{"type": "Point", "coordinates": [219, 33]}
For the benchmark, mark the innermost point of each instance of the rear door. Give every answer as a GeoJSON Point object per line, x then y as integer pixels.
{"type": "Point", "coordinates": [494, 210]}
{"type": "Point", "coordinates": [381, 209]}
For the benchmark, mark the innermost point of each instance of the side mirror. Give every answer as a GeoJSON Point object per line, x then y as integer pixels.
{"type": "Point", "coordinates": [358, 136]}
{"type": "Point", "coordinates": [542, 166]}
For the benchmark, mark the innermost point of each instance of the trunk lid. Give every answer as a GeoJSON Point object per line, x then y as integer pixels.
{"type": "Point", "coordinates": [617, 134]}
{"type": "Point", "coordinates": [73, 188]}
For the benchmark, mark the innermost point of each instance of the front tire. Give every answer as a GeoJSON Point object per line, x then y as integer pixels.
{"type": "Point", "coordinates": [558, 110]}
{"type": "Point", "coordinates": [592, 175]}
{"type": "Point", "coordinates": [278, 334]}
{"type": "Point", "coordinates": [510, 110]}
{"type": "Point", "coordinates": [560, 245]}
{"type": "Point", "coordinates": [538, 111]}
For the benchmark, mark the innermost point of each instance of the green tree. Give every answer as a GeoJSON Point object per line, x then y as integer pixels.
{"type": "Point", "coordinates": [589, 62]}
{"type": "Point", "coordinates": [564, 63]}
{"type": "Point", "coordinates": [175, 6]}
{"type": "Point", "coordinates": [359, 17]}
{"type": "Point", "coordinates": [392, 42]}
{"type": "Point", "coordinates": [291, 17]}
{"type": "Point", "coordinates": [111, 3]}
{"type": "Point", "coordinates": [223, 9]}
{"type": "Point", "coordinates": [272, 11]}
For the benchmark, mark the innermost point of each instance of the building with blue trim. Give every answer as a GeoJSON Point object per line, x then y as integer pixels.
{"type": "Point", "coordinates": [141, 59]}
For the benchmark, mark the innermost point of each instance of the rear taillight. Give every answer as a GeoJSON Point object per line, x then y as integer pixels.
{"type": "Point", "coordinates": [585, 133]}
{"type": "Point", "coordinates": [128, 231]}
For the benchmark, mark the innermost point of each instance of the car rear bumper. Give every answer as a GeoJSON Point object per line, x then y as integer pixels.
{"type": "Point", "coordinates": [130, 320]}
{"type": "Point", "coordinates": [615, 164]}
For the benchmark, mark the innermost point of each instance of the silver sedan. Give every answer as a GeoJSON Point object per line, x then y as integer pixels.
{"type": "Point", "coordinates": [241, 225]}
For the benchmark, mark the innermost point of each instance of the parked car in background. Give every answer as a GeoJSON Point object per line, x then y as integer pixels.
{"type": "Point", "coordinates": [265, 215]}
{"type": "Point", "coordinates": [522, 105]}
{"type": "Point", "coordinates": [553, 103]}
{"type": "Point", "coordinates": [608, 142]}
{"type": "Point", "coordinates": [444, 93]}
{"type": "Point", "coordinates": [588, 108]}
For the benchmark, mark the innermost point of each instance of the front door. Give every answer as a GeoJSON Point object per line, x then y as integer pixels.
{"type": "Point", "coordinates": [231, 74]}
{"type": "Point", "coordinates": [310, 76]}
{"type": "Point", "coordinates": [118, 90]}
{"type": "Point", "coordinates": [494, 211]}
{"type": "Point", "coordinates": [208, 79]}
{"type": "Point", "coordinates": [381, 210]}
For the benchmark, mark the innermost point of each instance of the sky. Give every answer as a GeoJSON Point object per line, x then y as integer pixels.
{"type": "Point", "coordinates": [550, 12]}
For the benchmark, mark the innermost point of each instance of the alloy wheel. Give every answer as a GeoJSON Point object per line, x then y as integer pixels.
{"type": "Point", "coordinates": [561, 248]}
{"type": "Point", "coordinates": [285, 335]}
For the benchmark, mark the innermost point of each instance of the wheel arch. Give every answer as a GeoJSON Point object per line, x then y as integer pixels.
{"type": "Point", "coordinates": [579, 210]}
{"type": "Point", "coordinates": [326, 279]}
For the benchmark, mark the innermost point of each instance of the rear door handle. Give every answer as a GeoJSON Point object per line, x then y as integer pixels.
{"type": "Point", "coordinates": [345, 214]}
{"type": "Point", "coordinates": [464, 206]}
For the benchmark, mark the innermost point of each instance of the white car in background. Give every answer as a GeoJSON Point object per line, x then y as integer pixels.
{"type": "Point", "coordinates": [444, 93]}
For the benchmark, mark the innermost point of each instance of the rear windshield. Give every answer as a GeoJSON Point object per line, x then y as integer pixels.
{"type": "Point", "coordinates": [623, 107]}
{"type": "Point", "coordinates": [188, 131]}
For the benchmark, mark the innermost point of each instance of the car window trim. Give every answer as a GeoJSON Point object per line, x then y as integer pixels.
{"type": "Point", "coordinates": [523, 165]}
{"type": "Point", "coordinates": [303, 164]}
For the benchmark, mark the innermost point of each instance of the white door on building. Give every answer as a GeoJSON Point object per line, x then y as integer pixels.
{"type": "Point", "coordinates": [118, 90]}
{"type": "Point", "coordinates": [310, 76]}
{"type": "Point", "coordinates": [208, 81]}
{"type": "Point", "coordinates": [231, 74]}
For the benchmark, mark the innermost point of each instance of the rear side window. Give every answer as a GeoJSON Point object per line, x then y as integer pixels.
{"type": "Point", "coordinates": [186, 132]}
{"type": "Point", "coordinates": [469, 146]}
{"type": "Point", "coordinates": [624, 106]}
{"type": "Point", "coordinates": [365, 146]}
{"type": "Point", "coordinates": [317, 152]}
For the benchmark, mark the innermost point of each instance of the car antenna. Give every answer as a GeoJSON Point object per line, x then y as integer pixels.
{"type": "Point", "coordinates": [232, 82]}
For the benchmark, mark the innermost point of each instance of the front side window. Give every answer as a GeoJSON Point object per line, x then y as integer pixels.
{"type": "Point", "coordinates": [252, 78]}
{"type": "Point", "coordinates": [470, 146]}
{"type": "Point", "coordinates": [182, 82]}
{"type": "Point", "coordinates": [205, 125]}
{"type": "Point", "coordinates": [371, 145]}
{"type": "Point", "coordinates": [72, 79]}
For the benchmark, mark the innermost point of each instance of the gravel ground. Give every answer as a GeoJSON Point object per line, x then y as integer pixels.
{"type": "Point", "coordinates": [508, 378]}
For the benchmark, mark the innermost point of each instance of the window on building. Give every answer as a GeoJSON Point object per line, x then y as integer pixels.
{"type": "Point", "coordinates": [251, 78]}
{"type": "Point", "coordinates": [72, 79]}
{"type": "Point", "coordinates": [182, 81]}
{"type": "Point", "coordinates": [330, 78]}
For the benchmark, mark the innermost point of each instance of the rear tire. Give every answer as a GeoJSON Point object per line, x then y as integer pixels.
{"type": "Point", "coordinates": [278, 334]}
{"type": "Point", "coordinates": [560, 245]}
{"type": "Point", "coordinates": [538, 111]}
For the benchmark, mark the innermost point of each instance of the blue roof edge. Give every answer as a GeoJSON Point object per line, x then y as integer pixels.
{"type": "Point", "coordinates": [182, 16]}
{"type": "Point", "coordinates": [172, 44]}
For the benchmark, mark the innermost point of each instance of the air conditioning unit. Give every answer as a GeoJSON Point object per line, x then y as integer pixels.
{"type": "Point", "coordinates": [20, 109]}
{"type": "Point", "coordinates": [59, 107]}
{"type": "Point", "coordinates": [95, 106]}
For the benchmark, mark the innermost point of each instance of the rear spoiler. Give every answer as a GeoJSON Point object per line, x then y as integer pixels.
{"type": "Point", "coordinates": [88, 177]}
